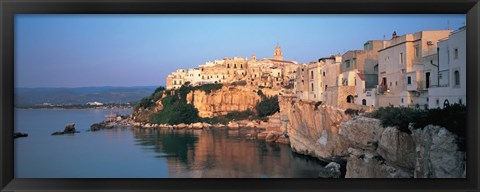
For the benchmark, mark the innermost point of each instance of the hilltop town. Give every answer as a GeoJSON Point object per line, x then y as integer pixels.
{"type": "Point", "coordinates": [389, 110]}
{"type": "Point", "coordinates": [422, 70]}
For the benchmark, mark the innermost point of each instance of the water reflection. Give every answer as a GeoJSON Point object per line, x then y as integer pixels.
{"type": "Point", "coordinates": [224, 153]}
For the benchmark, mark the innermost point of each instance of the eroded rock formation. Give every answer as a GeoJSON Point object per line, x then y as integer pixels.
{"type": "Point", "coordinates": [371, 151]}
{"type": "Point", "coordinates": [222, 101]}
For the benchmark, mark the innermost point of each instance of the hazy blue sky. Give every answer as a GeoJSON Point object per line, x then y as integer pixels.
{"type": "Point", "coordinates": [132, 50]}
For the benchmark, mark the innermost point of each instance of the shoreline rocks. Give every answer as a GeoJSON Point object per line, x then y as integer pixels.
{"type": "Point", "coordinates": [19, 134]}
{"type": "Point", "coordinates": [371, 150]}
{"type": "Point", "coordinates": [69, 129]}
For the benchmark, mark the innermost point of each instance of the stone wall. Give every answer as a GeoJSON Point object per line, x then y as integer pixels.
{"type": "Point", "coordinates": [220, 102]}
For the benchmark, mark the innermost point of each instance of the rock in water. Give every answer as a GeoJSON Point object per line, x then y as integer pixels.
{"type": "Point", "coordinates": [58, 133]}
{"type": "Point", "coordinates": [70, 128]}
{"type": "Point", "coordinates": [19, 134]}
{"type": "Point", "coordinates": [332, 170]}
{"type": "Point", "coordinates": [97, 126]}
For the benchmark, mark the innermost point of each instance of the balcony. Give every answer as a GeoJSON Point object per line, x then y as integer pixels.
{"type": "Point", "coordinates": [417, 86]}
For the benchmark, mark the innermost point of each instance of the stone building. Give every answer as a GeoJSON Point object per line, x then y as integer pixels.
{"type": "Point", "coordinates": [359, 74]}
{"type": "Point", "coordinates": [403, 74]}
{"type": "Point", "coordinates": [176, 79]}
{"type": "Point", "coordinates": [447, 83]}
{"type": "Point", "coordinates": [301, 82]}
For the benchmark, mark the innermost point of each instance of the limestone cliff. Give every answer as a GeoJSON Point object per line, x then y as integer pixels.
{"type": "Point", "coordinates": [222, 101]}
{"type": "Point", "coordinates": [371, 151]}
{"type": "Point", "coordinates": [313, 130]}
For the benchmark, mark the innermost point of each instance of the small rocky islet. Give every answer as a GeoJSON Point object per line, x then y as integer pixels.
{"type": "Point", "coordinates": [69, 129]}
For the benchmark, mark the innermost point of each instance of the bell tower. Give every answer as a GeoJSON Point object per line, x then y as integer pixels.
{"type": "Point", "coordinates": [278, 53]}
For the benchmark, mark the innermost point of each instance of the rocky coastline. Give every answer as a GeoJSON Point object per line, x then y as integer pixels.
{"type": "Point", "coordinates": [371, 150]}
{"type": "Point", "coordinates": [359, 145]}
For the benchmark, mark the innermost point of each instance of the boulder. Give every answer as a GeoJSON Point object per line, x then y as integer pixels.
{"type": "Point", "coordinates": [332, 170]}
{"type": "Point", "coordinates": [272, 137]}
{"type": "Point", "coordinates": [19, 134]}
{"type": "Point", "coordinates": [69, 128]}
{"type": "Point", "coordinates": [262, 135]}
{"type": "Point", "coordinates": [97, 126]}
{"type": "Point", "coordinates": [182, 126]}
{"type": "Point", "coordinates": [58, 133]}
{"type": "Point", "coordinates": [283, 139]}
{"type": "Point", "coordinates": [373, 166]}
{"type": "Point", "coordinates": [362, 132]}
{"type": "Point", "coordinates": [438, 154]}
{"type": "Point", "coordinates": [397, 147]}
{"type": "Point", "coordinates": [233, 125]}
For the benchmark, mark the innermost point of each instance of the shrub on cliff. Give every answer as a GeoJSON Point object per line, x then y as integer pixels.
{"type": "Point", "coordinates": [149, 101]}
{"type": "Point", "coordinates": [267, 106]}
{"type": "Point", "coordinates": [351, 112]}
{"type": "Point", "coordinates": [175, 111]}
{"type": "Point", "coordinates": [453, 118]}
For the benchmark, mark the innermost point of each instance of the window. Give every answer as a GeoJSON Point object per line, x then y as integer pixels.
{"type": "Point", "coordinates": [401, 58]}
{"type": "Point", "coordinates": [456, 74]}
{"type": "Point", "coordinates": [364, 102]}
{"type": "Point", "coordinates": [455, 53]}
{"type": "Point", "coordinates": [409, 80]}
{"type": "Point", "coordinates": [324, 74]}
{"type": "Point", "coordinates": [235, 66]}
{"type": "Point", "coordinates": [326, 87]}
{"type": "Point", "coordinates": [311, 74]}
{"type": "Point", "coordinates": [460, 101]}
{"type": "Point", "coordinates": [312, 87]}
{"type": "Point", "coordinates": [402, 100]}
{"type": "Point", "coordinates": [448, 56]}
{"type": "Point", "coordinates": [417, 51]}
{"type": "Point", "coordinates": [367, 46]}
{"type": "Point", "coordinates": [174, 82]}
{"type": "Point", "coordinates": [396, 84]}
{"type": "Point", "coordinates": [347, 63]}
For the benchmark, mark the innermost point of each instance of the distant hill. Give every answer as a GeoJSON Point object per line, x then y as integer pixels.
{"type": "Point", "coordinates": [81, 95]}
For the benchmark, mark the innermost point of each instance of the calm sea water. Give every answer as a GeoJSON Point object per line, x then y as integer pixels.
{"type": "Point", "coordinates": [145, 153]}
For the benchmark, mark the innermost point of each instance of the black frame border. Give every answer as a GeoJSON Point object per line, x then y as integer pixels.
{"type": "Point", "coordinates": [8, 8]}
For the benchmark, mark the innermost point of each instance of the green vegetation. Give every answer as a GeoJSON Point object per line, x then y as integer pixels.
{"type": "Point", "coordinates": [149, 101]}
{"type": "Point", "coordinates": [176, 110]}
{"type": "Point", "coordinates": [453, 118]}
{"type": "Point", "coordinates": [267, 106]}
{"type": "Point", "coordinates": [351, 112]}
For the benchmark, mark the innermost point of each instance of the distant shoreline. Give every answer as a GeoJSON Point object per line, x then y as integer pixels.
{"type": "Point", "coordinates": [64, 108]}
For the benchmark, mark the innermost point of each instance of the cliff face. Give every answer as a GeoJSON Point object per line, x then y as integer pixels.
{"type": "Point", "coordinates": [372, 151]}
{"type": "Point", "coordinates": [313, 131]}
{"type": "Point", "coordinates": [222, 101]}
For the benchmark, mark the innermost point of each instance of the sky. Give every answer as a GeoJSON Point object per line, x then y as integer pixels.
{"type": "Point", "coordinates": [141, 50]}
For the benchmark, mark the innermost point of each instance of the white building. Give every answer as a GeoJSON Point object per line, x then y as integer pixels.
{"type": "Point", "coordinates": [95, 103]}
{"type": "Point", "coordinates": [404, 68]}
{"type": "Point", "coordinates": [450, 86]}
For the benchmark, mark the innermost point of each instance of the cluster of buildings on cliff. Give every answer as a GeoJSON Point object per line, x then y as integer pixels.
{"type": "Point", "coordinates": [268, 72]}
{"type": "Point", "coordinates": [426, 69]}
